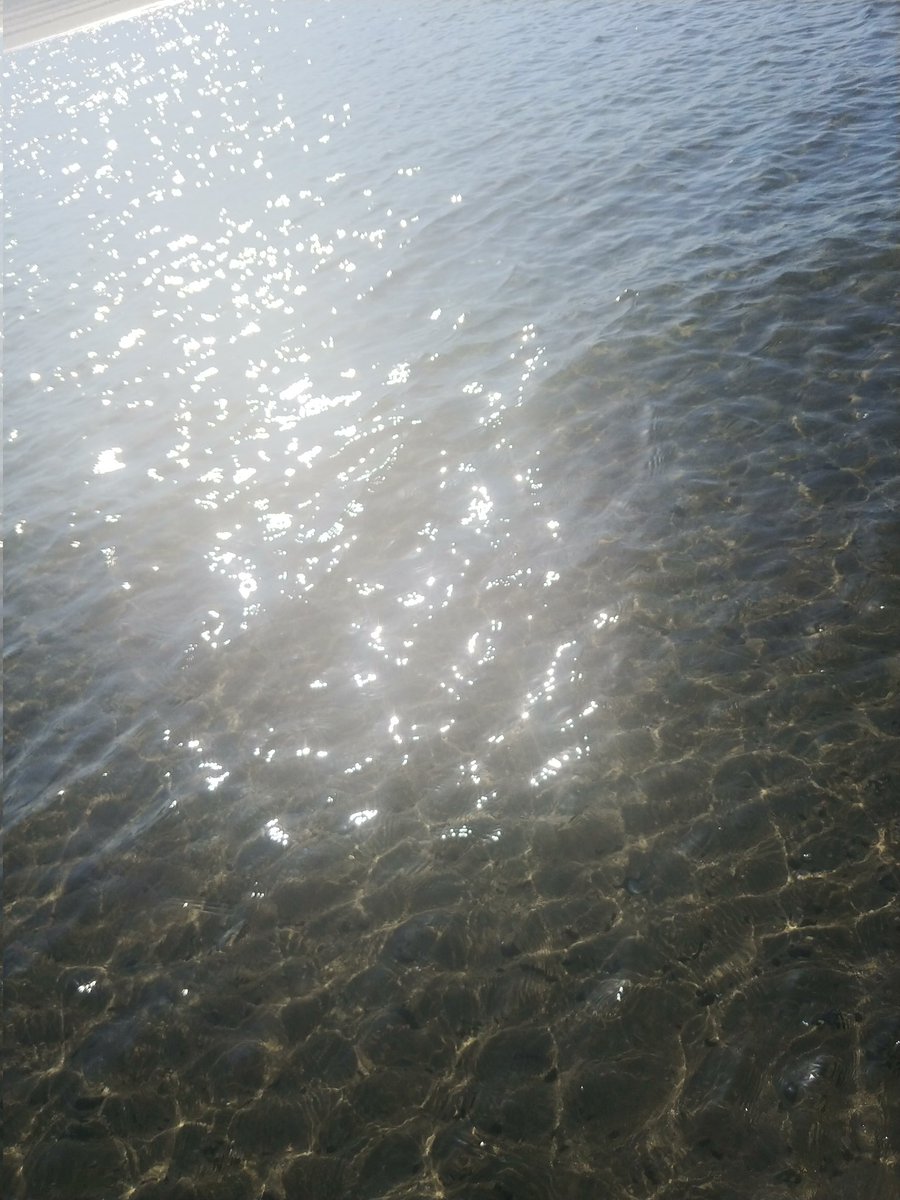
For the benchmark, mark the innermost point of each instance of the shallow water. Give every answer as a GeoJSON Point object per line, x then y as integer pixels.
{"type": "Point", "coordinates": [451, 616]}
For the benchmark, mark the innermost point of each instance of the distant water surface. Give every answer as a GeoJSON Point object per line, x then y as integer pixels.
{"type": "Point", "coordinates": [451, 603]}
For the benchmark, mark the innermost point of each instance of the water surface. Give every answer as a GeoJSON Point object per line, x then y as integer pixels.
{"type": "Point", "coordinates": [451, 633]}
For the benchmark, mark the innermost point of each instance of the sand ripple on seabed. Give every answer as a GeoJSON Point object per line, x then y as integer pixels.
{"type": "Point", "coordinates": [639, 994]}
{"type": "Point", "coordinates": [665, 968]}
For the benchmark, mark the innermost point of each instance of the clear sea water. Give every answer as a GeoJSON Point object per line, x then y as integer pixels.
{"type": "Point", "coordinates": [452, 572]}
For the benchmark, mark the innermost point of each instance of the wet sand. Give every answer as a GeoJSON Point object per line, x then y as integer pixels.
{"type": "Point", "coordinates": [27, 21]}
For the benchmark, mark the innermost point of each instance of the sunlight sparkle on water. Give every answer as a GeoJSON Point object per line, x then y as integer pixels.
{"type": "Point", "coordinates": [108, 461]}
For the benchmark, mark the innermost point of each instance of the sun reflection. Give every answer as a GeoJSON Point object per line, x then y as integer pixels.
{"type": "Point", "coordinates": [108, 461]}
{"type": "Point", "coordinates": [362, 817]}
{"type": "Point", "coordinates": [213, 781]}
{"type": "Point", "coordinates": [275, 830]}
{"type": "Point", "coordinates": [229, 314]}
{"type": "Point", "coordinates": [480, 508]}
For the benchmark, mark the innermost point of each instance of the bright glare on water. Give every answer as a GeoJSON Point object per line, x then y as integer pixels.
{"type": "Point", "coordinates": [451, 602]}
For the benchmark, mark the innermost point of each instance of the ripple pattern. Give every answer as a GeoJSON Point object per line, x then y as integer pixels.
{"type": "Point", "coordinates": [451, 594]}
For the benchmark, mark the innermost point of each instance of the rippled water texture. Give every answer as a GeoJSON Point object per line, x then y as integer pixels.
{"type": "Point", "coordinates": [452, 725]}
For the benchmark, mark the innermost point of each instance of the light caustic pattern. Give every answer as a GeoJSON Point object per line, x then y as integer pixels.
{"type": "Point", "coordinates": [450, 603]}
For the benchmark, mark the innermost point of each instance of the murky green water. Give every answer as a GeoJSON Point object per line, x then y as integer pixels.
{"type": "Point", "coordinates": [451, 604]}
